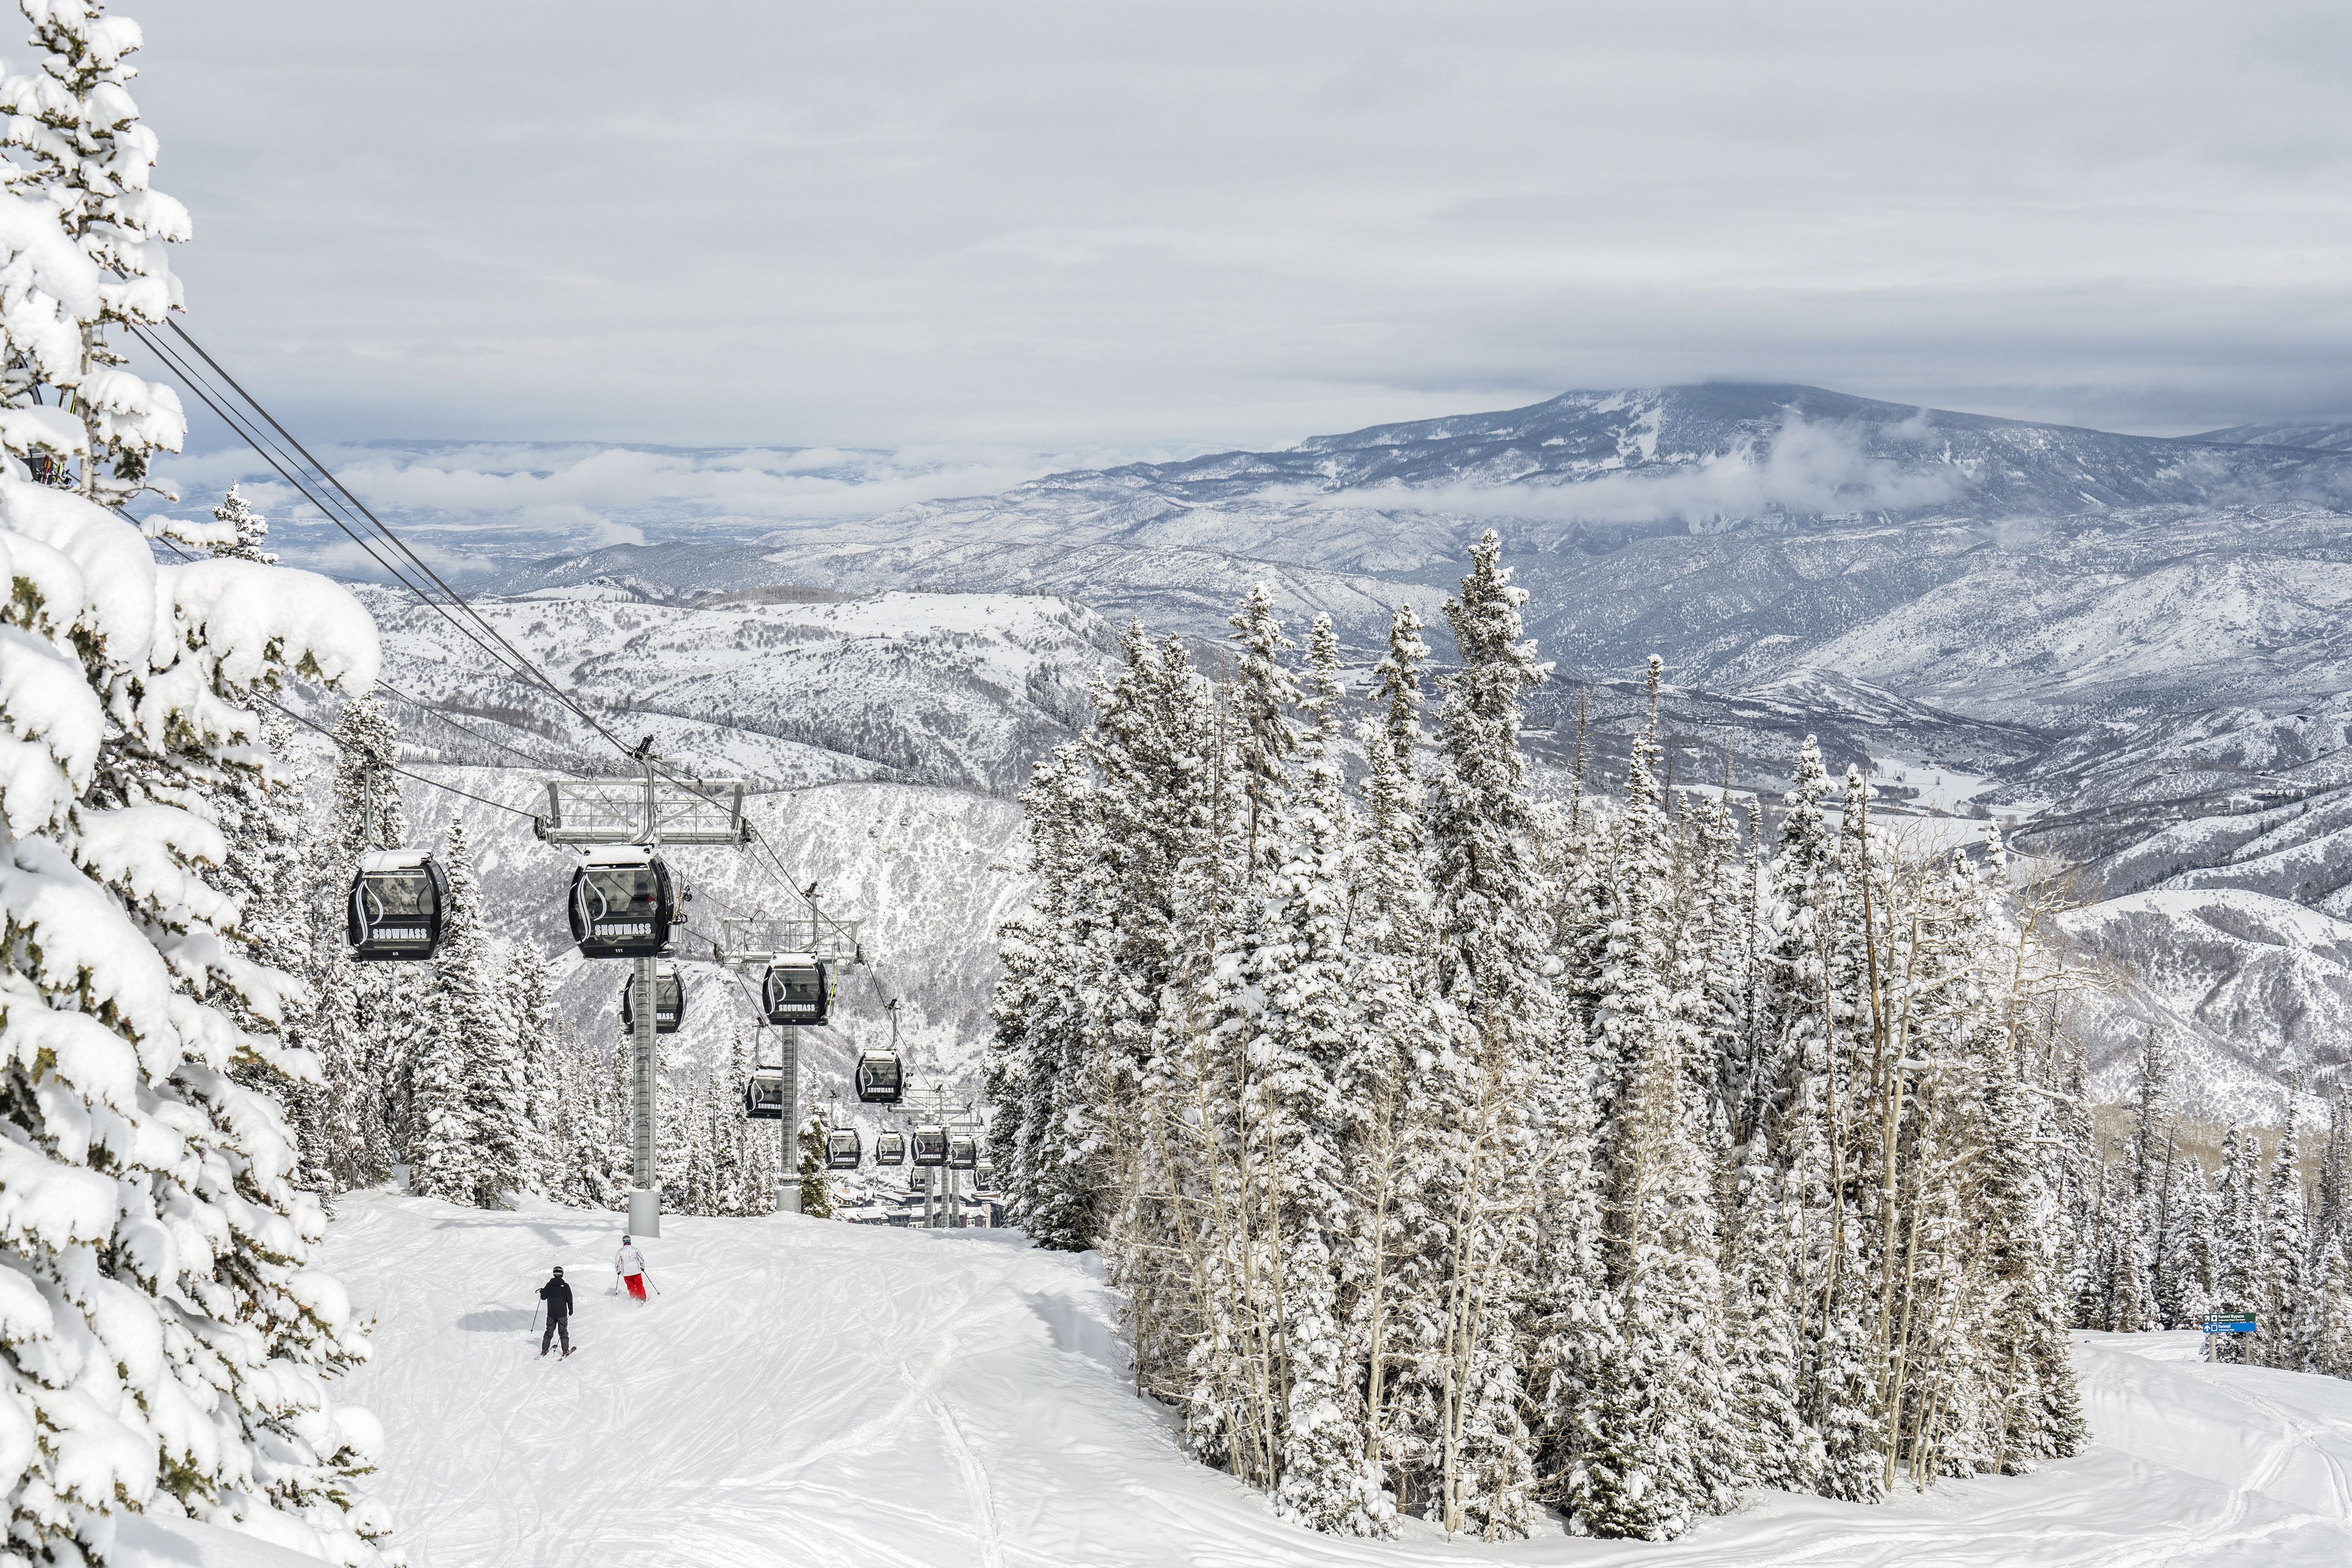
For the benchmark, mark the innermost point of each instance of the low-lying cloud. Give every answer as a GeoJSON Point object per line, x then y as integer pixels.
{"type": "Point", "coordinates": [493, 503]}
{"type": "Point", "coordinates": [1807, 468]}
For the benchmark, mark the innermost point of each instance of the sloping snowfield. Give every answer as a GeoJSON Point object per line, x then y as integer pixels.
{"type": "Point", "coordinates": [810, 1392]}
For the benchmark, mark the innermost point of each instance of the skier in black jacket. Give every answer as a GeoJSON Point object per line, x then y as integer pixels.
{"type": "Point", "coordinates": [558, 1296]}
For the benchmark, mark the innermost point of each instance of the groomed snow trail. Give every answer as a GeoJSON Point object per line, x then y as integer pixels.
{"type": "Point", "coordinates": [810, 1392]}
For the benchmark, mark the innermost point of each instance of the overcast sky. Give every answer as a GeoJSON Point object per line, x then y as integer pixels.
{"type": "Point", "coordinates": [1128, 227]}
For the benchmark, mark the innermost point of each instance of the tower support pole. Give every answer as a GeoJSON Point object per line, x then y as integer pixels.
{"type": "Point", "coordinates": [645, 1190]}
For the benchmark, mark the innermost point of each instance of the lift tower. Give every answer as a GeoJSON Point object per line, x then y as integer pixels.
{"type": "Point", "coordinates": [749, 946]}
{"type": "Point", "coordinates": [650, 812]}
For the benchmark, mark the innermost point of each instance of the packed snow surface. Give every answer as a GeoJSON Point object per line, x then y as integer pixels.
{"type": "Point", "coordinates": [803, 1392]}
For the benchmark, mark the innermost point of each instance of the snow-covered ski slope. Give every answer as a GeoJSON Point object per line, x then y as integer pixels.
{"type": "Point", "coordinates": [810, 1392]}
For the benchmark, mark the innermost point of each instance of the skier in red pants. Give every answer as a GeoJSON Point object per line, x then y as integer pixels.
{"type": "Point", "coordinates": [631, 1267]}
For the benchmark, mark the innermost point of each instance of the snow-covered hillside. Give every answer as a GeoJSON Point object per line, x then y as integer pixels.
{"type": "Point", "coordinates": [819, 1395]}
{"type": "Point", "coordinates": [2240, 984]}
{"type": "Point", "coordinates": [957, 688]}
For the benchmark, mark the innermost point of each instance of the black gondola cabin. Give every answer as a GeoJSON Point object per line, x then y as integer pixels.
{"type": "Point", "coordinates": [797, 991]}
{"type": "Point", "coordinates": [398, 899]}
{"type": "Point", "coordinates": [879, 1080]}
{"type": "Point", "coordinates": [669, 1002]}
{"type": "Point", "coordinates": [844, 1149]}
{"type": "Point", "coordinates": [963, 1154]}
{"type": "Point", "coordinates": [622, 901]}
{"type": "Point", "coordinates": [889, 1148]}
{"type": "Point", "coordinates": [763, 1097]}
{"type": "Point", "coordinates": [930, 1146]}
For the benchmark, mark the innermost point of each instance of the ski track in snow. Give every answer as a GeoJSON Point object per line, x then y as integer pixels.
{"type": "Point", "coordinates": [810, 1394]}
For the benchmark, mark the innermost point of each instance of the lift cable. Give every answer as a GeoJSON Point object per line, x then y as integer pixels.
{"type": "Point", "coordinates": [341, 512]}
{"type": "Point", "coordinates": [504, 653]}
{"type": "Point", "coordinates": [284, 466]}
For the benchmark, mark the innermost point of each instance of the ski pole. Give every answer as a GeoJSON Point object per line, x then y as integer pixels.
{"type": "Point", "coordinates": [534, 1318]}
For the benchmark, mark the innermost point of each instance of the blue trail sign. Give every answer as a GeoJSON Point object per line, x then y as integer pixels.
{"type": "Point", "coordinates": [2229, 1323]}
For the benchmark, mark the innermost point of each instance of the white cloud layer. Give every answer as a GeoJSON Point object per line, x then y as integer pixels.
{"type": "Point", "coordinates": [1808, 468]}
{"type": "Point", "coordinates": [1041, 224]}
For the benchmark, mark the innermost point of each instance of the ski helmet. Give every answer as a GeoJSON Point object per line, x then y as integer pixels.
{"type": "Point", "coordinates": [559, 1271]}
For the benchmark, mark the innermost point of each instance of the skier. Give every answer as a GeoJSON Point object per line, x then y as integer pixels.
{"type": "Point", "coordinates": [558, 1296]}
{"type": "Point", "coordinates": [630, 1265]}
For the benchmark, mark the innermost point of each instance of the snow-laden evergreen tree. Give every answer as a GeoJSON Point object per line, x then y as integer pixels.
{"type": "Point", "coordinates": [1038, 1067]}
{"type": "Point", "coordinates": [1762, 1312]}
{"type": "Point", "coordinates": [77, 181]}
{"type": "Point", "coordinates": [1394, 1327]}
{"type": "Point", "coordinates": [2331, 1198]}
{"type": "Point", "coordinates": [530, 1066]}
{"type": "Point", "coordinates": [1656, 1454]}
{"type": "Point", "coordinates": [2124, 1283]}
{"type": "Point", "coordinates": [1315, 1050]}
{"type": "Point", "coordinates": [2283, 1255]}
{"type": "Point", "coordinates": [816, 1182]}
{"type": "Point", "coordinates": [451, 1152]}
{"type": "Point", "coordinates": [1492, 920]}
{"type": "Point", "coordinates": [171, 1347]}
{"type": "Point", "coordinates": [2330, 1333]}
{"type": "Point", "coordinates": [2184, 1268]}
{"type": "Point", "coordinates": [2238, 1234]}
{"type": "Point", "coordinates": [592, 1142]}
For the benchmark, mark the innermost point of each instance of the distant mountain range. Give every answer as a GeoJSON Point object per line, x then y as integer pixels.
{"type": "Point", "coordinates": [2131, 648]}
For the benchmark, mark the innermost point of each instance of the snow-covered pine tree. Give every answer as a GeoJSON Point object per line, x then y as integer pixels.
{"type": "Point", "coordinates": [451, 1152]}
{"type": "Point", "coordinates": [1656, 1452]}
{"type": "Point", "coordinates": [2034, 1409]}
{"type": "Point", "coordinates": [816, 1184]}
{"type": "Point", "coordinates": [2332, 1199]}
{"type": "Point", "coordinates": [2238, 1260]}
{"type": "Point", "coordinates": [172, 1345]}
{"type": "Point", "coordinates": [593, 1145]}
{"type": "Point", "coordinates": [2184, 1270]}
{"type": "Point", "coordinates": [266, 814]}
{"type": "Point", "coordinates": [1315, 1051]}
{"type": "Point", "coordinates": [527, 990]}
{"type": "Point", "coordinates": [1393, 1322]}
{"type": "Point", "coordinates": [1493, 915]}
{"type": "Point", "coordinates": [80, 166]}
{"type": "Point", "coordinates": [1762, 1313]}
{"type": "Point", "coordinates": [1208, 1084]}
{"type": "Point", "coordinates": [1038, 1062]}
{"type": "Point", "coordinates": [2286, 1253]}
{"type": "Point", "coordinates": [2329, 1336]}
{"type": "Point", "coordinates": [2128, 1288]}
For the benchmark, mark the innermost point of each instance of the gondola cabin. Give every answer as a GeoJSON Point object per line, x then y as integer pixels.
{"type": "Point", "coordinates": [763, 1097]}
{"type": "Point", "coordinates": [844, 1149]}
{"type": "Point", "coordinates": [397, 902]}
{"type": "Point", "coordinates": [669, 1002]}
{"type": "Point", "coordinates": [797, 991]}
{"type": "Point", "coordinates": [930, 1146]}
{"type": "Point", "coordinates": [622, 901]}
{"type": "Point", "coordinates": [879, 1080]}
{"type": "Point", "coordinates": [889, 1148]}
{"type": "Point", "coordinates": [963, 1154]}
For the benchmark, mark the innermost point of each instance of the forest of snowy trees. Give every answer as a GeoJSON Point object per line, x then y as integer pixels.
{"type": "Point", "coordinates": [1458, 1153]}
{"type": "Point", "coordinates": [2162, 1242]}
